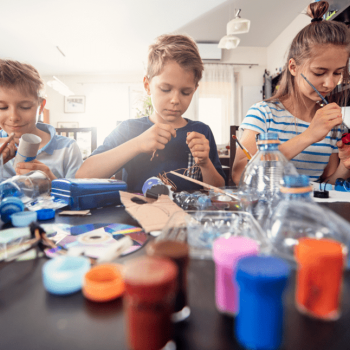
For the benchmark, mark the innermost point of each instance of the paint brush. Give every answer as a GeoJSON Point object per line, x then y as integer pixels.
{"type": "Point", "coordinates": [215, 189]}
{"type": "Point", "coordinates": [9, 139]}
{"type": "Point", "coordinates": [246, 152]}
{"type": "Point", "coordinates": [317, 92]}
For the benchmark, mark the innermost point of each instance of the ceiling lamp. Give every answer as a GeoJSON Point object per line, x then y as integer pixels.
{"type": "Point", "coordinates": [229, 42]}
{"type": "Point", "coordinates": [60, 87]}
{"type": "Point", "coordinates": [238, 25]}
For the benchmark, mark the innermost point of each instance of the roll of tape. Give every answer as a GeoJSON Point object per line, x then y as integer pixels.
{"type": "Point", "coordinates": [95, 238]}
{"type": "Point", "coordinates": [23, 218]}
{"type": "Point", "coordinates": [9, 206]}
{"type": "Point", "coordinates": [64, 274]}
{"type": "Point", "coordinates": [103, 283]}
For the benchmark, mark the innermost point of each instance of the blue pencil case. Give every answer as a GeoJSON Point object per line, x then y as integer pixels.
{"type": "Point", "coordinates": [82, 194]}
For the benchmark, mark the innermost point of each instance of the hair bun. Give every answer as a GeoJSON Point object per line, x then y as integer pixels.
{"type": "Point", "coordinates": [316, 10]}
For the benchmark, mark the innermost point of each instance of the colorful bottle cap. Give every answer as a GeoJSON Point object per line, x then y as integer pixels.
{"type": "Point", "coordinates": [261, 280]}
{"type": "Point", "coordinates": [45, 214]}
{"type": "Point", "coordinates": [64, 274]}
{"type": "Point", "coordinates": [319, 277]}
{"type": "Point", "coordinates": [23, 218]}
{"type": "Point", "coordinates": [103, 283]}
{"type": "Point", "coordinates": [9, 206]}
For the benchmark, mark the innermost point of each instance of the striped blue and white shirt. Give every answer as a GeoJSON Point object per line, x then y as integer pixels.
{"type": "Point", "coordinates": [273, 117]}
{"type": "Point", "coordinates": [61, 154]}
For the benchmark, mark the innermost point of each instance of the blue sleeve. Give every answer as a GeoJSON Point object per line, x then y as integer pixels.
{"type": "Point", "coordinates": [116, 138]}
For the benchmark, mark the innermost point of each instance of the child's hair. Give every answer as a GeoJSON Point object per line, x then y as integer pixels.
{"type": "Point", "coordinates": [318, 33]}
{"type": "Point", "coordinates": [180, 48]}
{"type": "Point", "coordinates": [22, 76]}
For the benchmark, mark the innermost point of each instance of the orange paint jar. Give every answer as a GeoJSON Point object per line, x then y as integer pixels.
{"type": "Point", "coordinates": [319, 277]}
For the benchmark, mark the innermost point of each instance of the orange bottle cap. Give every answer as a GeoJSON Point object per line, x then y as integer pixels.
{"type": "Point", "coordinates": [103, 283]}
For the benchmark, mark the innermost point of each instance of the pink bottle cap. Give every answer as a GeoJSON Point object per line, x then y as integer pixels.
{"type": "Point", "coordinates": [227, 251]}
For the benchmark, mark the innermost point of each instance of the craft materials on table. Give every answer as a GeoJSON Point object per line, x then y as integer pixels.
{"type": "Point", "coordinates": [261, 281]}
{"type": "Point", "coordinates": [74, 213]}
{"type": "Point", "coordinates": [178, 252]}
{"type": "Point", "coordinates": [151, 214]}
{"type": "Point", "coordinates": [319, 277]}
{"type": "Point", "coordinates": [149, 301]}
{"type": "Point", "coordinates": [94, 240]}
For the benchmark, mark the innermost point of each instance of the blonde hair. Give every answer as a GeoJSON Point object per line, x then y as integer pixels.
{"type": "Point", "coordinates": [318, 33]}
{"type": "Point", "coordinates": [22, 76]}
{"type": "Point", "coordinates": [180, 48]}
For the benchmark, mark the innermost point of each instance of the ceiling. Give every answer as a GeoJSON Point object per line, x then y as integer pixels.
{"type": "Point", "coordinates": [111, 36]}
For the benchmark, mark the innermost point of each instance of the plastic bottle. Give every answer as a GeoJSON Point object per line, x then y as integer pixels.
{"type": "Point", "coordinates": [263, 175]}
{"type": "Point", "coordinates": [297, 216]}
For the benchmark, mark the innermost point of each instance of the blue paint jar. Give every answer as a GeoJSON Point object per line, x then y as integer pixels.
{"type": "Point", "coordinates": [261, 281]}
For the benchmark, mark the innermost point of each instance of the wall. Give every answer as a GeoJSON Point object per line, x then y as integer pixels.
{"type": "Point", "coordinates": [278, 49]}
{"type": "Point", "coordinates": [107, 100]}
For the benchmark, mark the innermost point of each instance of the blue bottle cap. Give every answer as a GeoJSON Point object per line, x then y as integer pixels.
{"type": "Point", "coordinates": [268, 136]}
{"type": "Point", "coordinates": [292, 181]}
{"type": "Point", "coordinates": [45, 214]}
{"type": "Point", "coordinates": [9, 206]}
{"type": "Point", "coordinates": [64, 274]}
{"type": "Point", "coordinates": [23, 218]}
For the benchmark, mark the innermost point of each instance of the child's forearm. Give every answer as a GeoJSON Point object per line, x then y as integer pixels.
{"type": "Point", "coordinates": [106, 164]}
{"type": "Point", "coordinates": [341, 172]}
{"type": "Point", "coordinates": [211, 175]}
{"type": "Point", "coordinates": [296, 145]}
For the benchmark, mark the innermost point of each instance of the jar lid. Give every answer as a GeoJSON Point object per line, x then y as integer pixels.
{"type": "Point", "coordinates": [64, 274]}
{"type": "Point", "coordinates": [150, 278]}
{"type": "Point", "coordinates": [103, 283]}
{"type": "Point", "coordinates": [167, 248]}
{"type": "Point", "coordinates": [23, 218]}
{"type": "Point", "coordinates": [264, 269]}
{"type": "Point", "coordinates": [308, 250]}
{"type": "Point", "coordinates": [228, 251]}
{"type": "Point", "coordinates": [9, 206]}
{"type": "Point", "coordinates": [45, 214]}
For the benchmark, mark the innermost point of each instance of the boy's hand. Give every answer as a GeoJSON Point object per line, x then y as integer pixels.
{"type": "Point", "coordinates": [10, 150]}
{"type": "Point", "coordinates": [156, 137]}
{"type": "Point", "coordinates": [199, 147]}
{"type": "Point", "coordinates": [325, 119]}
{"type": "Point", "coordinates": [24, 168]}
{"type": "Point", "coordinates": [344, 154]}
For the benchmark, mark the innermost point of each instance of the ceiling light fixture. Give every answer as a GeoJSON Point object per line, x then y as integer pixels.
{"type": "Point", "coordinates": [229, 42]}
{"type": "Point", "coordinates": [60, 87]}
{"type": "Point", "coordinates": [238, 25]}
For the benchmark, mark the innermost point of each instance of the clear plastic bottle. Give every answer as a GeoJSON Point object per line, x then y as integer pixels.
{"type": "Point", "coordinates": [263, 175]}
{"type": "Point", "coordinates": [296, 215]}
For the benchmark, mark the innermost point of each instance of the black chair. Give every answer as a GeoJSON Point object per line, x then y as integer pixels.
{"type": "Point", "coordinates": [75, 133]}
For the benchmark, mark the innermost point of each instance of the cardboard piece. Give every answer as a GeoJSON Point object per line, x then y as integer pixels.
{"type": "Point", "coordinates": [152, 215]}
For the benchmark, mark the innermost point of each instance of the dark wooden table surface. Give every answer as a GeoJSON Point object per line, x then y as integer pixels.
{"type": "Point", "coordinates": [32, 319]}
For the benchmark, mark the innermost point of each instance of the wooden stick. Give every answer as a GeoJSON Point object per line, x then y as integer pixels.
{"type": "Point", "coordinates": [4, 145]}
{"type": "Point", "coordinates": [215, 189]}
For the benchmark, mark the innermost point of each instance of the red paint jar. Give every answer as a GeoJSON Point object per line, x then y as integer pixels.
{"type": "Point", "coordinates": [150, 289]}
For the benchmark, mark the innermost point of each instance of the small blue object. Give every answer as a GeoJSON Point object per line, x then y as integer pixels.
{"type": "Point", "coordinates": [45, 214]}
{"type": "Point", "coordinates": [64, 274]}
{"type": "Point", "coordinates": [23, 218]}
{"type": "Point", "coordinates": [9, 206]}
{"type": "Point", "coordinates": [292, 181]}
{"type": "Point", "coordinates": [261, 281]}
{"type": "Point", "coordinates": [268, 136]}
{"type": "Point", "coordinates": [342, 185]}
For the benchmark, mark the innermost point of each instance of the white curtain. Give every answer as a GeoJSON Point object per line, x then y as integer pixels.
{"type": "Point", "coordinates": [214, 101]}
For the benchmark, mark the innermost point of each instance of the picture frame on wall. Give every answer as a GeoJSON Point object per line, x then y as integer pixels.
{"type": "Point", "coordinates": [67, 125]}
{"type": "Point", "coordinates": [74, 104]}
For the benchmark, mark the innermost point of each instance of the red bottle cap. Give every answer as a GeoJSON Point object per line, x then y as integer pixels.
{"type": "Point", "coordinates": [346, 138]}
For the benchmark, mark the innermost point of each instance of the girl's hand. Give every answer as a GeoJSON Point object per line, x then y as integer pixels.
{"type": "Point", "coordinates": [156, 137]}
{"type": "Point", "coordinates": [344, 154]}
{"type": "Point", "coordinates": [24, 168]}
{"type": "Point", "coordinates": [199, 147]}
{"type": "Point", "coordinates": [325, 119]}
{"type": "Point", "coordinates": [10, 150]}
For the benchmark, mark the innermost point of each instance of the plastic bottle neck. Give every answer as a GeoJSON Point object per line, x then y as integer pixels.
{"type": "Point", "coordinates": [296, 192]}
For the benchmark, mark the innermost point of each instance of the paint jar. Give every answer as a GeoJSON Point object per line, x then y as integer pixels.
{"type": "Point", "coordinates": [178, 252]}
{"type": "Point", "coordinates": [226, 253]}
{"type": "Point", "coordinates": [149, 301]}
{"type": "Point", "coordinates": [261, 281]}
{"type": "Point", "coordinates": [319, 277]}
